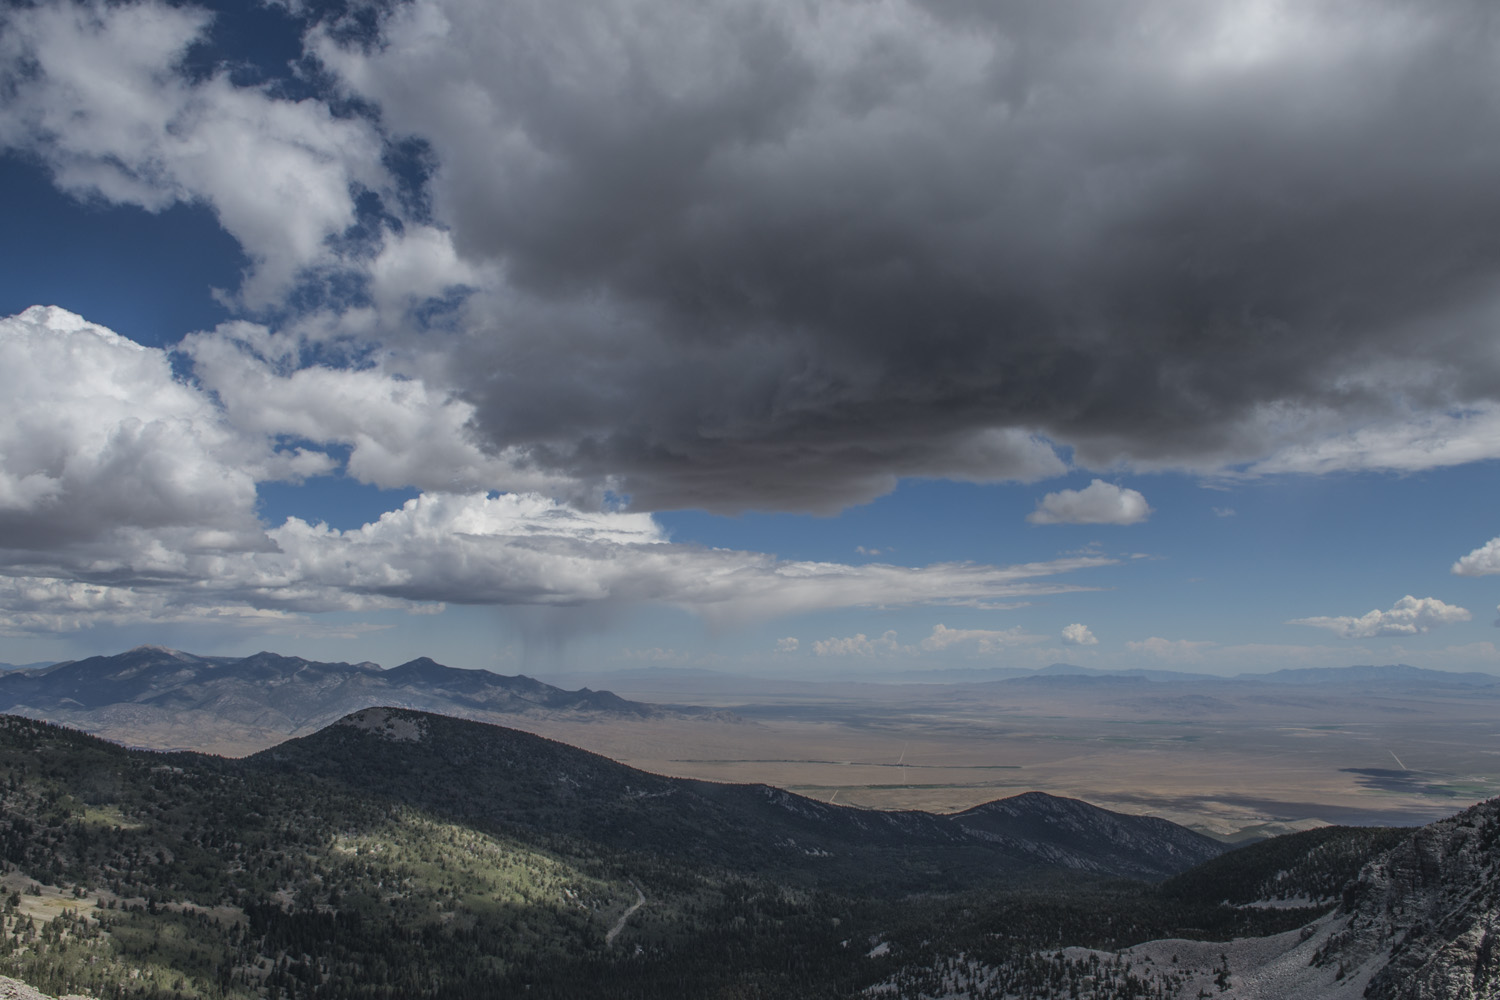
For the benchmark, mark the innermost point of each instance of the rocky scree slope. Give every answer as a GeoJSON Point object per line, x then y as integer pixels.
{"type": "Point", "coordinates": [1427, 914]}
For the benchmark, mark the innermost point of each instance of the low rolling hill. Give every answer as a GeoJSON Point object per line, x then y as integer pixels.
{"type": "Point", "coordinates": [494, 775]}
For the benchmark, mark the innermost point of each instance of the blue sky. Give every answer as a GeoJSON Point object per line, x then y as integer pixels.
{"type": "Point", "coordinates": [816, 340]}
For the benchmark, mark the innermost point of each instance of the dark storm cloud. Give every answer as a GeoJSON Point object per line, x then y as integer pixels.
{"type": "Point", "coordinates": [777, 255]}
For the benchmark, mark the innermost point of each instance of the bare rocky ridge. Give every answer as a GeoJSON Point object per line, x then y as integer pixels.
{"type": "Point", "coordinates": [1426, 915]}
{"type": "Point", "coordinates": [1419, 921]}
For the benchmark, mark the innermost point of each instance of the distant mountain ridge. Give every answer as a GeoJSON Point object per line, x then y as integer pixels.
{"type": "Point", "coordinates": [1393, 674]}
{"type": "Point", "coordinates": [6, 668]}
{"type": "Point", "coordinates": [1385, 675]}
{"type": "Point", "coordinates": [267, 697]}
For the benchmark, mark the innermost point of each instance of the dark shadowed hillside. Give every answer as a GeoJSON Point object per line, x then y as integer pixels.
{"type": "Point", "coordinates": [1074, 834]}
{"type": "Point", "coordinates": [478, 773]}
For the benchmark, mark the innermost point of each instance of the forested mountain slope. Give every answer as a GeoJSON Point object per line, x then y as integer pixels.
{"type": "Point", "coordinates": [492, 775]}
{"type": "Point", "coordinates": [403, 854]}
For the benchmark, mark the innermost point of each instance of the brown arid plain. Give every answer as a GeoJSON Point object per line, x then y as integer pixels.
{"type": "Point", "coordinates": [1226, 757]}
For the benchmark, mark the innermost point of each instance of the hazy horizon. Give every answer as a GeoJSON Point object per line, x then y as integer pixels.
{"type": "Point", "coordinates": [889, 672]}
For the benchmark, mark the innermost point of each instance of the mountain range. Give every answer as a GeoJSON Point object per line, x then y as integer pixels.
{"type": "Point", "coordinates": [164, 698]}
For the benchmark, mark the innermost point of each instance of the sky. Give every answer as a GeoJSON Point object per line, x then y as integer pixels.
{"type": "Point", "coordinates": [835, 338]}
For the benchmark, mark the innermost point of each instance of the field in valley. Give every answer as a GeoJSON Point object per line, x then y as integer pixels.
{"type": "Point", "coordinates": [1222, 757]}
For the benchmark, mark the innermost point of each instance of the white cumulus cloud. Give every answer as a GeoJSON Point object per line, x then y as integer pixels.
{"type": "Point", "coordinates": [1078, 635]}
{"type": "Point", "coordinates": [103, 105]}
{"type": "Point", "coordinates": [399, 430]}
{"type": "Point", "coordinates": [1097, 503]}
{"type": "Point", "coordinates": [859, 645]}
{"type": "Point", "coordinates": [1483, 561]}
{"type": "Point", "coordinates": [101, 443]}
{"type": "Point", "coordinates": [1409, 616]}
{"type": "Point", "coordinates": [982, 640]}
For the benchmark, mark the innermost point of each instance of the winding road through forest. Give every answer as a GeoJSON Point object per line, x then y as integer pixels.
{"type": "Point", "coordinates": [619, 926]}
